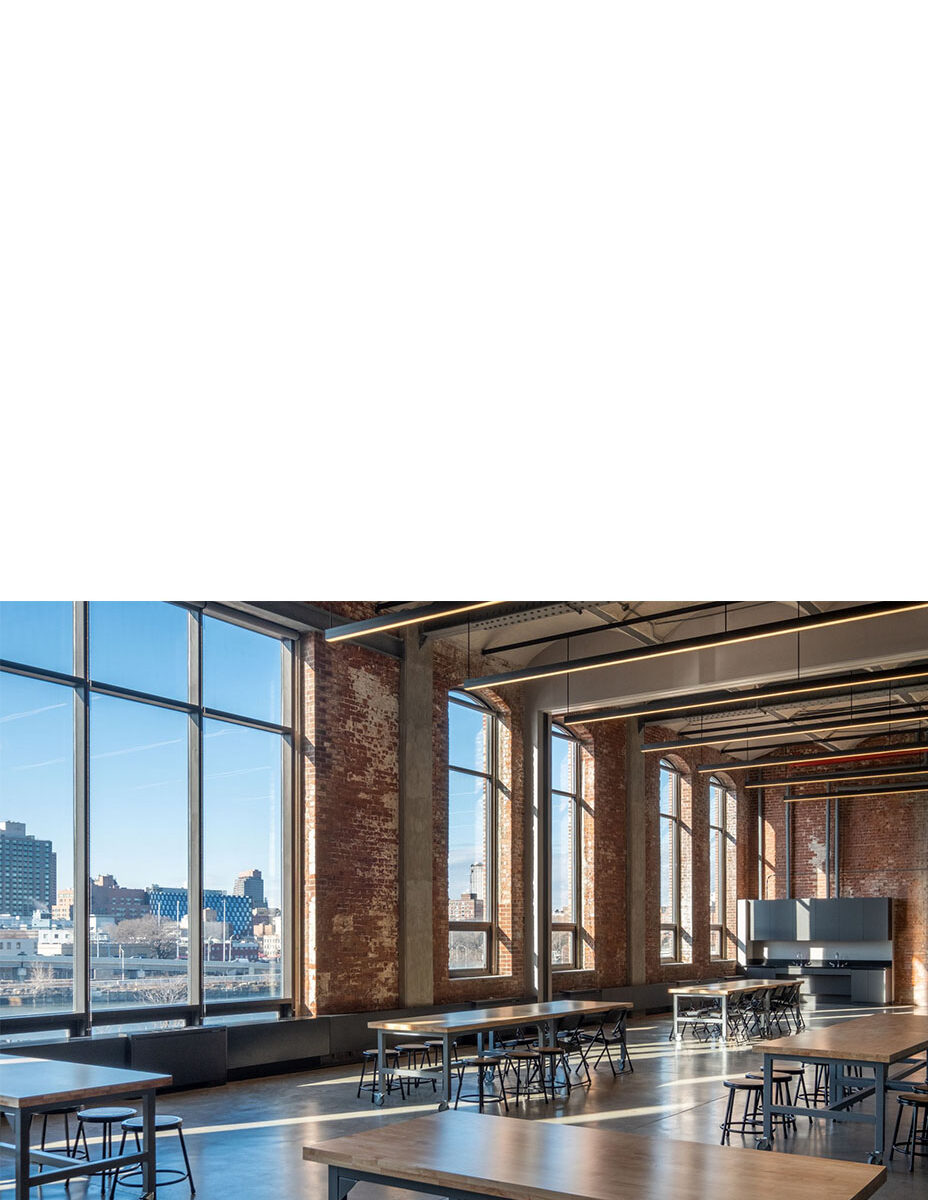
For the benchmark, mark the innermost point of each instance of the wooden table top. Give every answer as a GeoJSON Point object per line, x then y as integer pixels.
{"type": "Point", "coordinates": [883, 1038]}
{"type": "Point", "coordinates": [479, 1019]}
{"type": "Point", "coordinates": [25, 1083]}
{"type": "Point", "coordinates": [534, 1160]}
{"type": "Point", "coordinates": [730, 986]}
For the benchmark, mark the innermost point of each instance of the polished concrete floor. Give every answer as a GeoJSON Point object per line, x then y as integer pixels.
{"type": "Point", "coordinates": [245, 1139]}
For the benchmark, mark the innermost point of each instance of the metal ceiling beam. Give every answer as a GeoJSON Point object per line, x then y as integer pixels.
{"type": "Point", "coordinates": [388, 622]}
{"type": "Point", "coordinates": [751, 633]}
{"type": "Point", "coordinates": [301, 617]}
{"type": "Point", "coordinates": [518, 612]}
{"type": "Point", "coordinates": [871, 711]}
{"type": "Point", "coordinates": [804, 760]}
{"type": "Point", "coordinates": [705, 703]}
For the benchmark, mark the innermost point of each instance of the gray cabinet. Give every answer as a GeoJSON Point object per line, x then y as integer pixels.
{"type": "Point", "coordinates": [824, 924]}
{"type": "Point", "coordinates": [773, 920]}
{"type": "Point", "coordinates": [877, 919]}
{"type": "Point", "coordinates": [843, 919]}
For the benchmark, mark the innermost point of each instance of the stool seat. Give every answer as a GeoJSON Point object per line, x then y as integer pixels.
{"type": "Point", "coordinates": [746, 1084]}
{"type": "Point", "coordinates": [162, 1121]}
{"type": "Point", "coordinates": [549, 1050]}
{"type": "Point", "coordinates": [103, 1115]}
{"type": "Point", "coordinates": [481, 1061]}
{"type": "Point", "coordinates": [407, 1047]}
{"type": "Point", "coordinates": [777, 1076]}
{"type": "Point", "coordinates": [920, 1099]}
{"type": "Point", "coordinates": [527, 1054]}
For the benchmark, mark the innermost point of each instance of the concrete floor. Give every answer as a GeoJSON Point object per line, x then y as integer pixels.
{"type": "Point", "coordinates": [245, 1139]}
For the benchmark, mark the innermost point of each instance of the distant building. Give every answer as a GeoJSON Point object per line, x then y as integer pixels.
{"type": "Point", "coordinates": [107, 899]}
{"type": "Point", "coordinates": [470, 907]}
{"type": "Point", "coordinates": [171, 905]}
{"type": "Point", "coordinates": [478, 880]}
{"type": "Point", "coordinates": [251, 884]}
{"type": "Point", "coordinates": [28, 871]}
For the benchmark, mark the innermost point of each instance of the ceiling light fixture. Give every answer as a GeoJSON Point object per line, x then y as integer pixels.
{"type": "Point", "coordinates": [683, 706]}
{"type": "Point", "coordinates": [412, 616]}
{"type": "Point", "coordinates": [734, 637]}
{"type": "Point", "coordinates": [790, 731]}
{"type": "Point", "coordinates": [853, 795]}
{"type": "Point", "coordinates": [839, 777]}
{"type": "Point", "coordinates": [835, 756]}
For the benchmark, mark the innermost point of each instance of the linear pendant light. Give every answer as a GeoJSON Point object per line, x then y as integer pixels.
{"type": "Point", "coordinates": [787, 731]}
{"type": "Point", "coordinates": [834, 756]}
{"type": "Point", "coordinates": [751, 633]}
{"type": "Point", "coordinates": [412, 616]}
{"type": "Point", "coordinates": [681, 706]}
{"type": "Point", "coordinates": [853, 795]}
{"type": "Point", "coordinates": [839, 777]}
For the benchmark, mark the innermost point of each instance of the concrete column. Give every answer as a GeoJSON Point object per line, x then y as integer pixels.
{"type": "Point", "coordinates": [636, 875]}
{"type": "Point", "coordinates": [417, 978]}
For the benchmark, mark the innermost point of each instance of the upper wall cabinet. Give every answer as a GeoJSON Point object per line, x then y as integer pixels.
{"type": "Point", "coordinates": [850, 919]}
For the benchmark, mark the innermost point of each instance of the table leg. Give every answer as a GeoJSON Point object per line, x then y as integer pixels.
{"type": "Point", "coordinates": [724, 1018]}
{"type": "Point", "coordinates": [21, 1122]}
{"type": "Point", "coordinates": [480, 1043]}
{"type": "Point", "coordinates": [879, 1141]}
{"type": "Point", "coordinates": [446, 1068]}
{"type": "Point", "coordinates": [768, 1030]}
{"type": "Point", "coordinates": [767, 1141]}
{"type": "Point", "coordinates": [676, 1016]}
{"type": "Point", "coordinates": [149, 1176]}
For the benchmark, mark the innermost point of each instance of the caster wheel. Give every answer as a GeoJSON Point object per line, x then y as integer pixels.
{"type": "Point", "coordinates": [875, 1160]}
{"type": "Point", "coordinates": [762, 1144]}
{"type": "Point", "coordinates": [379, 1099]}
{"type": "Point", "coordinates": [443, 1107]}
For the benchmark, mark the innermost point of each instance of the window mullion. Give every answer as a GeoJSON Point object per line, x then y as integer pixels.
{"type": "Point", "coordinates": [195, 815]}
{"type": "Point", "coordinates": [80, 913]}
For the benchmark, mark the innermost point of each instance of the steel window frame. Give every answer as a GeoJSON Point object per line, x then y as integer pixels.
{"type": "Point", "coordinates": [674, 817]}
{"type": "Point", "coordinates": [491, 782]}
{"type": "Point", "coordinates": [80, 1020]}
{"type": "Point", "coordinates": [575, 799]}
{"type": "Point", "coordinates": [725, 836]}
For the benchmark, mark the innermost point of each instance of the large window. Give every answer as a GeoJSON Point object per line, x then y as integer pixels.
{"type": "Point", "coordinates": [146, 766]}
{"type": "Point", "coordinates": [472, 783]}
{"type": "Point", "coordinates": [670, 789]}
{"type": "Point", "coordinates": [722, 826]}
{"type": "Point", "coordinates": [566, 849]}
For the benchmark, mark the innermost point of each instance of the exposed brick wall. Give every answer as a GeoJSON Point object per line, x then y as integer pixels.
{"type": "Point", "coordinates": [351, 801]}
{"type": "Point", "coordinates": [883, 852]}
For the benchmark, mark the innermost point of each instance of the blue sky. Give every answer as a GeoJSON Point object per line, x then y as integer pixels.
{"type": "Point", "coordinates": [138, 752]}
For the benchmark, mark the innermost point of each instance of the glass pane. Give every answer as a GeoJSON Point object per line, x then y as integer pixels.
{"type": "Point", "coordinates": [140, 645]}
{"type": "Point", "coordinates": [467, 950]}
{"type": "Point", "coordinates": [668, 950]}
{"type": "Point", "coordinates": [715, 816]}
{"type": "Point", "coordinates": [668, 791]}
{"type": "Point", "coordinates": [468, 738]}
{"type": "Point", "coordinates": [715, 916]}
{"type": "Point", "coordinates": [38, 633]}
{"type": "Point", "coordinates": [667, 872]}
{"type": "Point", "coordinates": [562, 948]}
{"type": "Point", "coordinates": [564, 764]}
{"type": "Point", "coordinates": [715, 943]}
{"type": "Point", "coordinates": [138, 854]}
{"type": "Point", "coordinates": [242, 870]}
{"type": "Point", "coordinates": [241, 671]}
{"type": "Point", "coordinates": [562, 859]}
{"type": "Point", "coordinates": [36, 846]}
{"type": "Point", "coordinates": [468, 850]}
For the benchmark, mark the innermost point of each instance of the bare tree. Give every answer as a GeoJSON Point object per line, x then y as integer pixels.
{"type": "Point", "coordinates": [160, 937]}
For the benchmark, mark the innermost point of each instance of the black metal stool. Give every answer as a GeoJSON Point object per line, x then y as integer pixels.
{"type": "Point", "coordinates": [65, 1110]}
{"type": "Point", "coordinates": [487, 1068]}
{"type": "Point", "coordinates": [917, 1102]}
{"type": "Point", "coordinates": [369, 1059]}
{"type": "Point", "coordinates": [165, 1176]}
{"type": "Point", "coordinates": [781, 1081]}
{"type": "Point", "coordinates": [107, 1117]}
{"type": "Point", "coordinates": [534, 1078]}
{"type": "Point", "coordinates": [417, 1056]}
{"type": "Point", "coordinates": [751, 1122]}
{"type": "Point", "coordinates": [799, 1076]}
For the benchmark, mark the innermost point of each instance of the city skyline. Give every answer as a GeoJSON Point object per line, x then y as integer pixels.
{"type": "Point", "coordinates": [138, 752]}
